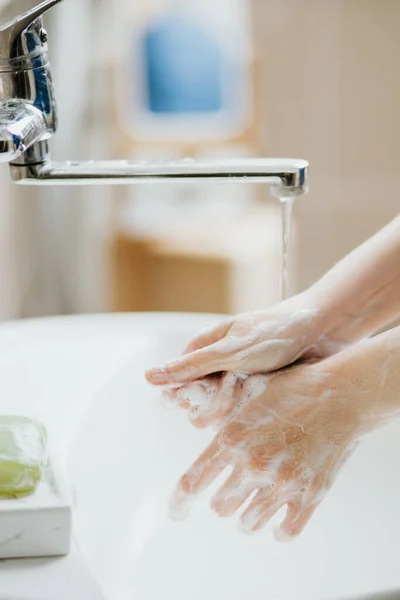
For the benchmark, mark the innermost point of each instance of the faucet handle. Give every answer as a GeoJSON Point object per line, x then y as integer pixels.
{"type": "Point", "coordinates": [23, 38]}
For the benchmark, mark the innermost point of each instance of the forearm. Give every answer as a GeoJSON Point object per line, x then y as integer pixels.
{"type": "Point", "coordinates": [372, 370]}
{"type": "Point", "coordinates": [361, 294]}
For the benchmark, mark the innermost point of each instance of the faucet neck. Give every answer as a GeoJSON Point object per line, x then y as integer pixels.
{"type": "Point", "coordinates": [25, 51]}
{"type": "Point", "coordinates": [23, 40]}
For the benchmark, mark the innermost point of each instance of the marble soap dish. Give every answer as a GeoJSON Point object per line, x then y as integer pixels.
{"type": "Point", "coordinates": [38, 525]}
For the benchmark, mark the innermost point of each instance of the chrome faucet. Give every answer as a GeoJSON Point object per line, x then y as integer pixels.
{"type": "Point", "coordinates": [28, 119]}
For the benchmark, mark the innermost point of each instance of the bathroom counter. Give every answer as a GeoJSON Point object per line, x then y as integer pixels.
{"type": "Point", "coordinates": [63, 578]}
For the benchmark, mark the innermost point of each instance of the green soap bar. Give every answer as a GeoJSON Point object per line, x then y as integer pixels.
{"type": "Point", "coordinates": [23, 455]}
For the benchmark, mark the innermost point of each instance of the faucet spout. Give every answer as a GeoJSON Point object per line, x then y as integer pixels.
{"type": "Point", "coordinates": [21, 125]}
{"type": "Point", "coordinates": [288, 177]}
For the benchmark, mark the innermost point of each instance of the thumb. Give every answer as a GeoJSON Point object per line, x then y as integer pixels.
{"type": "Point", "coordinates": [209, 336]}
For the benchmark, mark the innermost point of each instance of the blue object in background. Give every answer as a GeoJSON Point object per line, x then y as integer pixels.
{"type": "Point", "coordinates": [183, 68]}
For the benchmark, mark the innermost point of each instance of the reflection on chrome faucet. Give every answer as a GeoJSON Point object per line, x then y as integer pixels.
{"type": "Point", "coordinates": [28, 119]}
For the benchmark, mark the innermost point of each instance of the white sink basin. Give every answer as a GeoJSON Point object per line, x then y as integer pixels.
{"type": "Point", "coordinates": [83, 376]}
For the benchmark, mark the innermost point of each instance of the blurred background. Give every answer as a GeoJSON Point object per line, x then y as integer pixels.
{"type": "Point", "coordinates": [152, 79]}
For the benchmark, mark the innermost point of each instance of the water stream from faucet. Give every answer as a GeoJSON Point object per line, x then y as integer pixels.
{"type": "Point", "coordinates": [287, 216]}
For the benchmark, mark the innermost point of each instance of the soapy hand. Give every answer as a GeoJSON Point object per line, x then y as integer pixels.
{"type": "Point", "coordinates": [291, 433]}
{"type": "Point", "coordinates": [256, 342]}
{"type": "Point", "coordinates": [286, 434]}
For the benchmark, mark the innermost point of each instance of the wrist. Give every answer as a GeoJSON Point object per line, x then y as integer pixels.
{"type": "Point", "coordinates": [338, 320]}
{"type": "Point", "coordinates": [368, 375]}
{"type": "Point", "coordinates": [326, 316]}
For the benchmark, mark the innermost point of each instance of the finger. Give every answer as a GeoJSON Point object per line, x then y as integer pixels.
{"type": "Point", "coordinates": [296, 519]}
{"type": "Point", "coordinates": [209, 336]}
{"type": "Point", "coordinates": [170, 398]}
{"type": "Point", "coordinates": [196, 396]}
{"type": "Point", "coordinates": [205, 469]}
{"type": "Point", "coordinates": [235, 491]}
{"type": "Point", "coordinates": [196, 365]}
{"type": "Point", "coordinates": [299, 513]}
{"type": "Point", "coordinates": [200, 475]}
{"type": "Point", "coordinates": [262, 508]}
{"type": "Point", "coordinates": [223, 400]}
{"type": "Point", "coordinates": [328, 471]}
{"type": "Point", "coordinates": [201, 396]}
{"type": "Point", "coordinates": [208, 401]}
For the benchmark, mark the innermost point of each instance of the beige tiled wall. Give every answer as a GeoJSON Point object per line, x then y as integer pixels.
{"type": "Point", "coordinates": [331, 93]}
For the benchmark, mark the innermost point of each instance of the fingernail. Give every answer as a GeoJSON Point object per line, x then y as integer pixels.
{"type": "Point", "coordinates": [156, 375]}
{"type": "Point", "coordinates": [169, 398]}
{"type": "Point", "coordinates": [249, 522]}
{"type": "Point", "coordinates": [283, 536]}
{"type": "Point", "coordinates": [160, 375]}
{"type": "Point", "coordinates": [180, 505]}
{"type": "Point", "coordinates": [246, 528]}
{"type": "Point", "coordinates": [218, 505]}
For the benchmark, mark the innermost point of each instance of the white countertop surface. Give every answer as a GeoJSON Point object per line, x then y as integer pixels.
{"type": "Point", "coordinates": [64, 578]}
